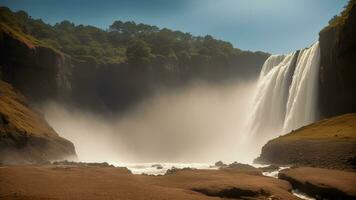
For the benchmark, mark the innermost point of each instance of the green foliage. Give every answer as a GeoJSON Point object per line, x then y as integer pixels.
{"type": "Point", "coordinates": [122, 42]}
{"type": "Point", "coordinates": [138, 53]}
{"type": "Point", "coordinates": [130, 28]}
{"type": "Point", "coordinates": [339, 20]}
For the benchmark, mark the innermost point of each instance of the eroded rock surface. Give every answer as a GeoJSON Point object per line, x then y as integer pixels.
{"type": "Point", "coordinates": [322, 183]}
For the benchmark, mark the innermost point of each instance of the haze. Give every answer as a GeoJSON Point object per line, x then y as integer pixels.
{"type": "Point", "coordinates": [201, 123]}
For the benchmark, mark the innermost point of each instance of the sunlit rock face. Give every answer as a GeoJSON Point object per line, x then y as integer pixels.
{"type": "Point", "coordinates": [286, 93]}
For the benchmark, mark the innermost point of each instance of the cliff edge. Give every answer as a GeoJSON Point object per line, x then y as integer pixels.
{"type": "Point", "coordinates": [25, 136]}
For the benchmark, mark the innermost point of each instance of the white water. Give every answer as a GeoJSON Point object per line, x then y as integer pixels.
{"type": "Point", "coordinates": [302, 195]}
{"type": "Point", "coordinates": [301, 105]}
{"type": "Point", "coordinates": [151, 169]}
{"type": "Point", "coordinates": [274, 174]}
{"type": "Point", "coordinates": [295, 192]}
{"type": "Point", "coordinates": [286, 93]}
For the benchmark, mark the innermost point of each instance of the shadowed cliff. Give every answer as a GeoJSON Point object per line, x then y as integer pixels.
{"type": "Point", "coordinates": [337, 91]}
{"type": "Point", "coordinates": [111, 70]}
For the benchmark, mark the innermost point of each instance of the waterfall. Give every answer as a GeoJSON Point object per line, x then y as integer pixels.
{"type": "Point", "coordinates": [286, 93]}
{"type": "Point", "coordinates": [303, 92]}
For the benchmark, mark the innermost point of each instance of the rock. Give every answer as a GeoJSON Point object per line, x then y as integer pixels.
{"type": "Point", "coordinates": [220, 164]}
{"type": "Point", "coordinates": [27, 66]}
{"type": "Point", "coordinates": [322, 183]}
{"type": "Point", "coordinates": [82, 164]}
{"type": "Point", "coordinates": [240, 166]}
{"type": "Point", "coordinates": [337, 82]}
{"type": "Point", "coordinates": [174, 170]}
{"type": "Point", "coordinates": [157, 166]}
{"type": "Point", "coordinates": [315, 145]}
{"type": "Point", "coordinates": [25, 136]}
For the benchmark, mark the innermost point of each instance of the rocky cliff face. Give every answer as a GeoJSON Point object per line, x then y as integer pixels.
{"type": "Point", "coordinates": [25, 136]}
{"type": "Point", "coordinates": [42, 73]}
{"type": "Point", "coordinates": [39, 72]}
{"type": "Point", "coordinates": [338, 67]}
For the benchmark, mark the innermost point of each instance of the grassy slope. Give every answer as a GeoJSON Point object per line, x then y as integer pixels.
{"type": "Point", "coordinates": [25, 136]}
{"type": "Point", "coordinates": [19, 116]}
{"type": "Point", "coordinates": [26, 39]}
{"type": "Point", "coordinates": [329, 143]}
{"type": "Point", "coordinates": [341, 127]}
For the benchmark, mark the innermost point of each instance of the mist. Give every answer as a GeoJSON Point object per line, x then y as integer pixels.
{"type": "Point", "coordinates": [202, 123]}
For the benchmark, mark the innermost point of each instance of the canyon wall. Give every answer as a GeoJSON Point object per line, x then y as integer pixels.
{"type": "Point", "coordinates": [337, 82]}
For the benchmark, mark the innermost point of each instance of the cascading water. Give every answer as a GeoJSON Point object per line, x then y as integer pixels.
{"type": "Point", "coordinates": [301, 105]}
{"type": "Point", "coordinates": [286, 93]}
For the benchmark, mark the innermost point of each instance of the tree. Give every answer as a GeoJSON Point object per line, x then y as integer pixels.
{"type": "Point", "coordinates": [138, 53]}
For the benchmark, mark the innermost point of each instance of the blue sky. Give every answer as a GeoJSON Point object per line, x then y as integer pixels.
{"type": "Point", "coordinates": [275, 26]}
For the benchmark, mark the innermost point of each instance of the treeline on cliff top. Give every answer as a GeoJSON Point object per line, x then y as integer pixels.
{"type": "Point", "coordinates": [122, 42]}
{"type": "Point", "coordinates": [339, 20]}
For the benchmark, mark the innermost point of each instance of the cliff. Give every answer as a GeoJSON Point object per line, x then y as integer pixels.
{"type": "Point", "coordinates": [329, 143]}
{"type": "Point", "coordinates": [337, 82]}
{"type": "Point", "coordinates": [83, 65]}
{"type": "Point", "coordinates": [39, 72]}
{"type": "Point", "coordinates": [25, 136]}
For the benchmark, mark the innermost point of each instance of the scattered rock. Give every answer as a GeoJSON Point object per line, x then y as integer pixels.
{"type": "Point", "coordinates": [220, 164]}
{"type": "Point", "coordinates": [82, 164]}
{"type": "Point", "coordinates": [240, 166]}
{"type": "Point", "coordinates": [157, 166]}
{"type": "Point", "coordinates": [174, 170]}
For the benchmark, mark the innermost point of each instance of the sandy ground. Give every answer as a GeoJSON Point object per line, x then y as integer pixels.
{"type": "Point", "coordinates": [78, 182]}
